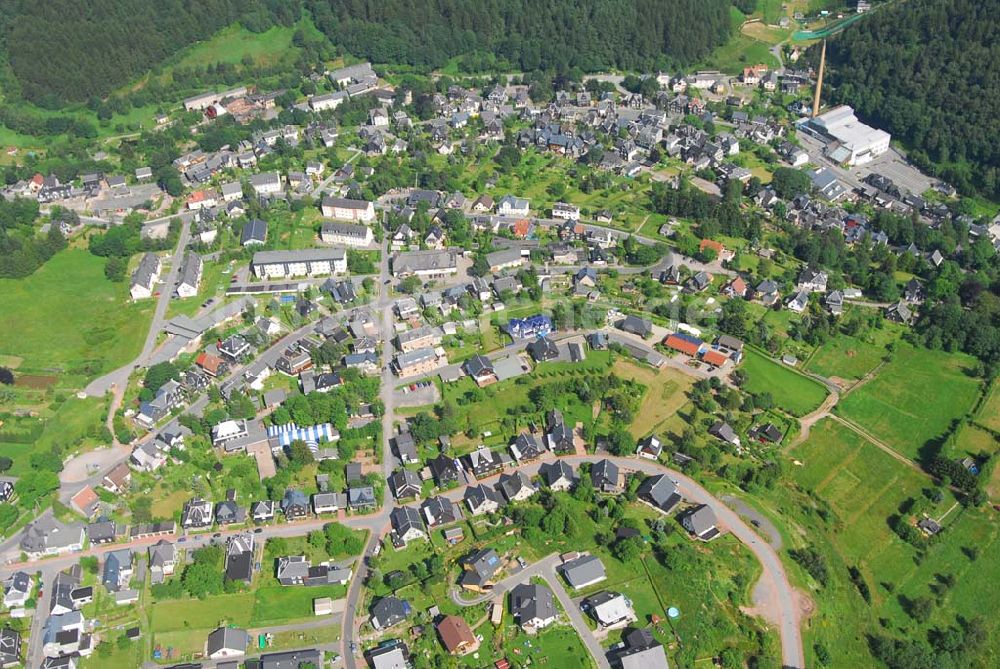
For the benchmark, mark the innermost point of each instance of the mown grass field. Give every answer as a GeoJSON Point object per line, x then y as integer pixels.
{"type": "Point", "coordinates": [862, 484]}
{"type": "Point", "coordinates": [278, 605]}
{"type": "Point", "coordinates": [914, 398]}
{"type": "Point", "coordinates": [174, 615]}
{"type": "Point", "coordinates": [67, 317]}
{"type": "Point", "coordinates": [792, 392]}
{"type": "Point", "coordinates": [846, 358]}
{"type": "Point", "coordinates": [739, 52]}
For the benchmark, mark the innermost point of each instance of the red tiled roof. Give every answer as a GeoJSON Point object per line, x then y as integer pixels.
{"type": "Point", "coordinates": [681, 344]}
{"type": "Point", "coordinates": [714, 358]}
{"type": "Point", "coordinates": [210, 363]}
{"type": "Point", "coordinates": [711, 244]}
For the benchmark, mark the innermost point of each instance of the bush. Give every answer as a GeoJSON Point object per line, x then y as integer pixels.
{"type": "Point", "coordinates": [813, 562]}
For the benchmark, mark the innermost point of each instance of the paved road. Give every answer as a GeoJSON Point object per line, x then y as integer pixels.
{"type": "Point", "coordinates": [576, 617]}
{"type": "Point", "coordinates": [383, 308]}
{"type": "Point", "coordinates": [33, 652]}
{"type": "Point", "coordinates": [117, 380]}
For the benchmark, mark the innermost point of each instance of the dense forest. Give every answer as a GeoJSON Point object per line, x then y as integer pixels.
{"type": "Point", "coordinates": [62, 50]}
{"type": "Point", "coordinates": [556, 35]}
{"type": "Point", "coordinates": [929, 72]}
{"type": "Point", "coordinates": [104, 44]}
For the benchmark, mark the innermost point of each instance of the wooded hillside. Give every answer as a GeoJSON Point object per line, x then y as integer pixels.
{"type": "Point", "coordinates": [558, 34]}
{"type": "Point", "coordinates": [929, 72]}
{"type": "Point", "coordinates": [64, 50]}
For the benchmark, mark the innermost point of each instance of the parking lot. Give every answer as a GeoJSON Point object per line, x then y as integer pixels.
{"type": "Point", "coordinates": [418, 394]}
{"type": "Point", "coordinates": [891, 164]}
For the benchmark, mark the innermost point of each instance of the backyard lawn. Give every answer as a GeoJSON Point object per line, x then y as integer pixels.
{"type": "Point", "coordinates": [279, 605]}
{"type": "Point", "coordinates": [914, 398]}
{"type": "Point", "coordinates": [792, 392]}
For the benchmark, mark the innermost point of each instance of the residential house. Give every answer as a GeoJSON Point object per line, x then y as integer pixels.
{"type": "Point", "coordinates": [240, 557]}
{"type": "Point", "coordinates": [406, 448]}
{"type": "Point", "coordinates": [145, 276]}
{"type": "Point", "coordinates": [513, 206]}
{"type": "Point", "coordinates": [440, 511]}
{"type": "Point", "coordinates": [48, 536]}
{"type": "Point", "coordinates": [661, 492]}
{"type": "Point", "coordinates": [558, 475]}
{"type": "Point", "coordinates": [583, 571]}
{"type": "Point", "coordinates": [444, 470]}
{"type": "Point", "coordinates": [348, 234]}
{"type": "Point", "coordinates": [10, 647]}
{"type": "Point", "coordinates": [254, 233]}
{"type": "Point", "coordinates": [526, 448]}
{"type": "Point", "coordinates": [118, 479]}
{"type": "Point", "coordinates": [899, 313]}
{"type": "Point", "coordinates": [482, 499]}
{"type": "Point", "coordinates": [360, 498]}
{"type": "Point", "coordinates": [262, 511]}
{"type": "Point", "coordinates": [17, 590]}
{"type": "Point", "coordinates": [389, 611]}
{"type": "Point", "coordinates": [721, 430]}
{"type": "Point", "coordinates": [294, 504]}
{"type": "Point", "coordinates": [404, 484]}
{"type": "Point", "coordinates": [407, 525]}
{"type": "Point", "coordinates": [543, 349]}
{"type": "Point", "coordinates": [798, 302]}
{"type": "Point", "coordinates": [480, 368]}
{"type": "Point", "coordinates": [456, 635]}
{"type": "Point", "coordinates": [483, 462]}
{"type": "Point", "coordinates": [610, 609]}
{"type": "Point", "coordinates": [305, 262]}
{"type": "Point", "coordinates": [479, 570]}
{"type": "Point", "coordinates": [343, 209]}
{"type": "Point", "coordinates": [227, 642]}
{"type": "Point", "coordinates": [162, 560]}
{"type": "Point", "coordinates": [102, 532]}
{"type": "Point", "coordinates": [197, 514]}
{"type": "Point", "coordinates": [117, 570]}
{"type": "Point", "coordinates": [606, 477]}
{"type": "Point", "coordinates": [565, 211]}
{"type": "Point", "coordinates": [515, 487]}
{"type": "Point", "coordinates": [636, 326]}
{"type": "Point", "coordinates": [533, 606]}
{"type": "Point", "coordinates": [702, 523]}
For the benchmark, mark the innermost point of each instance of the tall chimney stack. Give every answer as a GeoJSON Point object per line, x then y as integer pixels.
{"type": "Point", "coordinates": [819, 80]}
